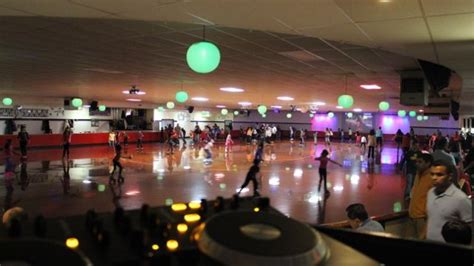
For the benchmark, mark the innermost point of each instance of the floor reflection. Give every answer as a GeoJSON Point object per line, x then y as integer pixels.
{"type": "Point", "coordinates": [54, 187]}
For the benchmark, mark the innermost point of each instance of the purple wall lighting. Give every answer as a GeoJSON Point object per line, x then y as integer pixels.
{"type": "Point", "coordinates": [321, 121]}
{"type": "Point", "coordinates": [391, 123]}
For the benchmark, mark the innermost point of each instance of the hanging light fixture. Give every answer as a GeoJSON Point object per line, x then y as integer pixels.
{"type": "Point", "coordinates": [77, 102]}
{"type": "Point", "coordinates": [236, 112]}
{"type": "Point", "coordinates": [262, 109]}
{"type": "Point", "coordinates": [402, 113]}
{"type": "Point", "coordinates": [311, 114]}
{"type": "Point", "coordinates": [264, 115]}
{"type": "Point", "coordinates": [384, 106]}
{"type": "Point", "coordinates": [7, 101]}
{"type": "Point", "coordinates": [419, 118]}
{"type": "Point", "coordinates": [289, 115]}
{"type": "Point", "coordinates": [102, 107]}
{"type": "Point", "coordinates": [345, 100]}
{"type": "Point", "coordinates": [330, 114]}
{"type": "Point", "coordinates": [181, 96]}
{"type": "Point", "coordinates": [224, 111]}
{"type": "Point", "coordinates": [349, 115]}
{"type": "Point", "coordinates": [203, 57]}
{"type": "Point", "coordinates": [412, 114]}
{"type": "Point", "coordinates": [170, 105]}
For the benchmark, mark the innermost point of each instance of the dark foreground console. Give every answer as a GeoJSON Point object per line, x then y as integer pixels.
{"type": "Point", "coordinates": [237, 231]}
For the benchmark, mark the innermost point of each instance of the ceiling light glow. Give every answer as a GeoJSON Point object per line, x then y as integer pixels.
{"type": "Point", "coordinates": [285, 98]}
{"type": "Point", "coordinates": [231, 89]}
{"type": "Point", "coordinates": [200, 99]}
{"type": "Point", "coordinates": [370, 87]}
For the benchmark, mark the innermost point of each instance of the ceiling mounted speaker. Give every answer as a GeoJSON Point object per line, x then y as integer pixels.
{"type": "Point", "coordinates": [190, 109]}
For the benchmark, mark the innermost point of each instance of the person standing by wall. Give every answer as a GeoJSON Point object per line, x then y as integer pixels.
{"type": "Point", "coordinates": [112, 138]}
{"type": "Point", "coordinates": [140, 137]}
{"type": "Point", "coordinates": [67, 136]}
{"type": "Point", "coordinates": [24, 139]}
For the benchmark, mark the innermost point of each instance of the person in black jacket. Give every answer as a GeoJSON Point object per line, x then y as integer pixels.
{"type": "Point", "coordinates": [23, 138]}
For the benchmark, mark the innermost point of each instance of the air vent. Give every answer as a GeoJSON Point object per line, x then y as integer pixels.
{"type": "Point", "coordinates": [101, 70]}
{"type": "Point", "coordinates": [302, 55]}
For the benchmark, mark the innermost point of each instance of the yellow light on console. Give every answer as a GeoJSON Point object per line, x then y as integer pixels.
{"type": "Point", "coordinates": [256, 209]}
{"type": "Point", "coordinates": [177, 207]}
{"type": "Point", "coordinates": [182, 228]}
{"type": "Point", "coordinates": [172, 245]}
{"type": "Point", "coordinates": [72, 243]}
{"type": "Point", "coordinates": [193, 217]}
{"type": "Point", "coordinates": [194, 205]}
{"type": "Point", "coordinates": [155, 247]}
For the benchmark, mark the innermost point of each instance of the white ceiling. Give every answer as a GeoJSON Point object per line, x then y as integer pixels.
{"type": "Point", "coordinates": [96, 48]}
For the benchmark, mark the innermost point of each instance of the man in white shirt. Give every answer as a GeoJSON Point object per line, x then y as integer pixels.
{"type": "Point", "coordinates": [445, 201]}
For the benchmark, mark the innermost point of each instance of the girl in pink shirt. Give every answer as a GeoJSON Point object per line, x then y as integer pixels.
{"type": "Point", "coordinates": [228, 143]}
{"type": "Point", "coordinates": [323, 159]}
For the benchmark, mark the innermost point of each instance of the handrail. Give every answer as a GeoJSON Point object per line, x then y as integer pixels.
{"type": "Point", "coordinates": [382, 219]}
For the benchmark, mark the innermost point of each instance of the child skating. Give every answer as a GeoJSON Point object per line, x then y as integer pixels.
{"type": "Point", "coordinates": [207, 151]}
{"type": "Point", "coordinates": [228, 143]}
{"type": "Point", "coordinates": [323, 159]}
{"type": "Point", "coordinates": [117, 164]}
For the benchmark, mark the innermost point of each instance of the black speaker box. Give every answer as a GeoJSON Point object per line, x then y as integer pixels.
{"type": "Point", "coordinates": [94, 106]}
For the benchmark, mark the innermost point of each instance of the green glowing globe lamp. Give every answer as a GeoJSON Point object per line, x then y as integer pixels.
{"type": "Point", "coordinates": [402, 113]}
{"type": "Point", "coordinates": [384, 106]}
{"type": "Point", "coordinates": [289, 115]}
{"type": "Point", "coordinates": [345, 100]}
{"type": "Point", "coordinates": [397, 206]}
{"type": "Point", "coordinates": [181, 96]}
{"type": "Point", "coordinates": [412, 113]}
{"type": "Point", "coordinates": [419, 118]}
{"type": "Point", "coordinates": [203, 57]}
{"type": "Point", "coordinates": [262, 109]}
{"type": "Point", "coordinates": [224, 111]}
{"type": "Point", "coordinates": [170, 105]}
{"type": "Point", "coordinates": [7, 101]}
{"type": "Point", "coordinates": [425, 117]}
{"type": "Point", "coordinates": [236, 112]}
{"type": "Point", "coordinates": [77, 102]}
{"type": "Point", "coordinates": [102, 107]}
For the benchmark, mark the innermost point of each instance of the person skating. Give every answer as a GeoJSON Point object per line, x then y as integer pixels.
{"type": "Point", "coordinates": [252, 175]}
{"type": "Point", "coordinates": [323, 159]}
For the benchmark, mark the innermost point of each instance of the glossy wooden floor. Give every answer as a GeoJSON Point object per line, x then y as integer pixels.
{"type": "Point", "coordinates": [290, 179]}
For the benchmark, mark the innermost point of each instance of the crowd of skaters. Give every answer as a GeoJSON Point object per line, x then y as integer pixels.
{"type": "Point", "coordinates": [439, 168]}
